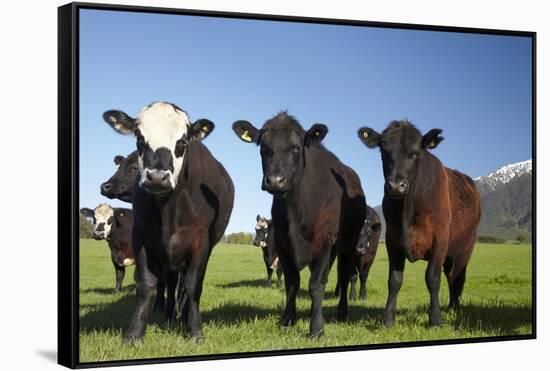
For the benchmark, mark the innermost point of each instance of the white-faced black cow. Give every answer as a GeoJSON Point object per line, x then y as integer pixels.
{"type": "Point", "coordinates": [318, 208]}
{"type": "Point", "coordinates": [266, 240]}
{"type": "Point", "coordinates": [182, 203]}
{"type": "Point", "coordinates": [114, 225]}
{"type": "Point", "coordinates": [365, 252]}
{"type": "Point", "coordinates": [432, 212]}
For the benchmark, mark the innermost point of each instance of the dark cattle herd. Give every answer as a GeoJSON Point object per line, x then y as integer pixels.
{"type": "Point", "coordinates": [182, 199]}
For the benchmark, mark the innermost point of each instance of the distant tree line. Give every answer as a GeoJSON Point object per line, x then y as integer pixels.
{"type": "Point", "coordinates": [240, 238]}
{"type": "Point", "coordinates": [85, 227]}
{"type": "Point", "coordinates": [520, 238]}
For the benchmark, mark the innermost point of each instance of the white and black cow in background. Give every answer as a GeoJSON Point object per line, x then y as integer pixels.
{"type": "Point", "coordinates": [183, 198]}
{"type": "Point", "coordinates": [114, 225]}
{"type": "Point", "coordinates": [265, 238]}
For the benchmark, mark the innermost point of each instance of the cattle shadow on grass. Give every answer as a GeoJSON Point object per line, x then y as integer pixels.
{"type": "Point", "coordinates": [260, 283]}
{"type": "Point", "coordinates": [115, 315]}
{"type": "Point", "coordinates": [110, 291]}
{"type": "Point", "coordinates": [504, 319]}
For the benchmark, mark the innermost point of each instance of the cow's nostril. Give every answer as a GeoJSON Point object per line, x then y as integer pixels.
{"type": "Point", "coordinates": [164, 177]}
{"type": "Point", "coordinates": [106, 186]}
{"type": "Point", "coordinates": [149, 176]}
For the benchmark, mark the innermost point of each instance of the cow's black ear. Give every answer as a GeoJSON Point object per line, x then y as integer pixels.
{"type": "Point", "coordinates": [88, 213]}
{"type": "Point", "coordinates": [246, 131]}
{"type": "Point", "coordinates": [376, 227]}
{"type": "Point", "coordinates": [316, 134]}
{"type": "Point", "coordinates": [258, 218]}
{"type": "Point", "coordinates": [200, 130]}
{"type": "Point", "coordinates": [369, 137]}
{"type": "Point", "coordinates": [432, 138]}
{"type": "Point", "coordinates": [120, 121]}
{"type": "Point", "coordinates": [118, 159]}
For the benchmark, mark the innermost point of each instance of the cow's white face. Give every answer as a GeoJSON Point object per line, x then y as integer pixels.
{"type": "Point", "coordinates": [163, 131]}
{"type": "Point", "coordinates": [103, 221]}
{"type": "Point", "coordinates": [162, 125]}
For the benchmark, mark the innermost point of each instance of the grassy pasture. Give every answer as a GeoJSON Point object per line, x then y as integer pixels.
{"type": "Point", "coordinates": [240, 314]}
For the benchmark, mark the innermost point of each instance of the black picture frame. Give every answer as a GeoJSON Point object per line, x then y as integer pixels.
{"type": "Point", "coordinates": [68, 180]}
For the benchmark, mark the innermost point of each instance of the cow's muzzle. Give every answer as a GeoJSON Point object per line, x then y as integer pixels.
{"type": "Point", "coordinates": [396, 188]}
{"type": "Point", "coordinates": [275, 184]}
{"type": "Point", "coordinates": [157, 181]}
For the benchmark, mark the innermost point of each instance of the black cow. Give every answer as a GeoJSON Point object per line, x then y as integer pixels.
{"type": "Point", "coordinates": [182, 202]}
{"type": "Point", "coordinates": [318, 208]}
{"type": "Point", "coordinates": [266, 240]}
{"type": "Point", "coordinates": [121, 184]}
{"type": "Point", "coordinates": [114, 225]}
{"type": "Point", "coordinates": [365, 253]}
{"type": "Point", "coordinates": [432, 212]}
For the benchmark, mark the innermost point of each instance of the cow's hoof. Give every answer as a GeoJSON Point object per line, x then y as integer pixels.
{"type": "Point", "coordinates": [363, 296]}
{"type": "Point", "coordinates": [316, 334]}
{"type": "Point", "coordinates": [268, 284]}
{"type": "Point", "coordinates": [197, 337]}
{"type": "Point", "coordinates": [435, 321]}
{"type": "Point", "coordinates": [388, 322]}
{"type": "Point", "coordinates": [132, 340]}
{"type": "Point", "coordinates": [289, 321]}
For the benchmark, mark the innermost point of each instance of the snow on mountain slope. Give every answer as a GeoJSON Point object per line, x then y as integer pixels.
{"type": "Point", "coordinates": [503, 176]}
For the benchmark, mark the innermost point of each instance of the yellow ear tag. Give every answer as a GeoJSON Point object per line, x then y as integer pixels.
{"type": "Point", "coordinates": [365, 134]}
{"type": "Point", "coordinates": [432, 144]}
{"type": "Point", "coordinates": [121, 214]}
{"type": "Point", "coordinates": [205, 129]}
{"type": "Point", "coordinates": [317, 133]}
{"type": "Point", "coordinates": [245, 136]}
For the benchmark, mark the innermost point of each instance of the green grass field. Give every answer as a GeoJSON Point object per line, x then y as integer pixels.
{"type": "Point", "coordinates": [240, 314]}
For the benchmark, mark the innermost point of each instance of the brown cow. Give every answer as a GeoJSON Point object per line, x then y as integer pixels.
{"type": "Point", "coordinates": [431, 212]}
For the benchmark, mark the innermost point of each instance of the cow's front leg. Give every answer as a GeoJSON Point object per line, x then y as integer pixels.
{"type": "Point", "coordinates": [352, 290]}
{"type": "Point", "coordinates": [159, 305]}
{"type": "Point", "coordinates": [395, 280]}
{"type": "Point", "coordinates": [292, 284]}
{"type": "Point", "coordinates": [279, 275]}
{"type": "Point", "coordinates": [317, 283]}
{"type": "Point", "coordinates": [269, 274]}
{"type": "Point", "coordinates": [119, 276]}
{"type": "Point", "coordinates": [146, 281]}
{"type": "Point", "coordinates": [363, 276]}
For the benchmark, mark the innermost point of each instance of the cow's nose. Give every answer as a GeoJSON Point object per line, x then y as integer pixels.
{"type": "Point", "coordinates": [397, 186]}
{"type": "Point", "coordinates": [275, 182]}
{"type": "Point", "coordinates": [157, 180]}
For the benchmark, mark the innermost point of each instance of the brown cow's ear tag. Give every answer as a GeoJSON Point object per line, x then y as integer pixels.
{"type": "Point", "coordinates": [121, 214]}
{"type": "Point", "coordinates": [365, 134]}
{"type": "Point", "coordinates": [245, 136]}
{"type": "Point", "coordinates": [431, 144]}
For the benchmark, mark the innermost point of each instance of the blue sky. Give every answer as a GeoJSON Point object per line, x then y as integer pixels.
{"type": "Point", "coordinates": [477, 88]}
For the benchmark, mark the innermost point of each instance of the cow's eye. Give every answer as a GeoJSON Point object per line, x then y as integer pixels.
{"type": "Point", "coordinates": [413, 155]}
{"type": "Point", "coordinates": [133, 169]}
{"type": "Point", "coordinates": [297, 149]}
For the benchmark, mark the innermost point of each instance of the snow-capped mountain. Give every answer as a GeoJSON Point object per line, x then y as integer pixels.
{"type": "Point", "coordinates": [502, 176]}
